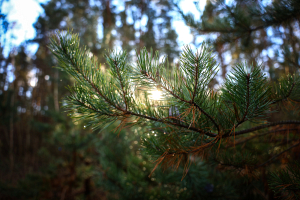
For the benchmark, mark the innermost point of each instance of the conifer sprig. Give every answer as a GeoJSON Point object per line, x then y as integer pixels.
{"type": "Point", "coordinates": [247, 93]}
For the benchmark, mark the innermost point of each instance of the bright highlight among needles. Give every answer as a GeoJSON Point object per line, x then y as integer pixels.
{"type": "Point", "coordinates": [156, 95]}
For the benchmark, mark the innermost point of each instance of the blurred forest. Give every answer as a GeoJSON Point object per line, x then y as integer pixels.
{"type": "Point", "coordinates": [46, 154]}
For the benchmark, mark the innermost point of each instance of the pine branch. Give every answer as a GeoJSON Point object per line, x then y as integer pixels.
{"type": "Point", "coordinates": [195, 149]}
{"type": "Point", "coordinates": [265, 126]}
{"type": "Point", "coordinates": [271, 159]}
{"type": "Point", "coordinates": [262, 134]}
{"type": "Point", "coordinates": [208, 133]}
{"type": "Point", "coordinates": [235, 19]}
{"type": "Point", "coordinates": [246, 110]}
{"type": "Point", "coordinates": [66, 54]}
{"type": "Point", "coordinates": [268, 18]}
{"type": "Point", "coordinates": [248, 94]}
{"type": "Point", "coordinates": [126, 112]}
{"type": "Point", "coordinates": [97, 111]}
{"type": "Point", "coordinates": [103, 98]}
{"type": "Point", "coordinates": [287, 95]}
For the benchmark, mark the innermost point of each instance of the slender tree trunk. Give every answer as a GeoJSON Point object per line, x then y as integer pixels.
{"type": "Point", "coordinates": [27, 146]}
{"type": "Point", "coordinates": [56, 102]}
{"type": "Point", "coordinates": [223, 66]}
{"type": "Point", "coordinates": [21, 133]}
{"type": "Point", "coordinates": [141, 44]}
{"type": "Point", "coordinates": [295, 58]}
{"type": "Point", "coordinates": [11, 130]}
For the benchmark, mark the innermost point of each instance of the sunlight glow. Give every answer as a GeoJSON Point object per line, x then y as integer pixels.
{"type": "Point", "coordinates": [156, 95]}
{"type": "Point", "coordinates": [32, 79]}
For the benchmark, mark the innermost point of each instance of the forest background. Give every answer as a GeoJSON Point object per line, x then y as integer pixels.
{"type": "Point", "coordinates": [45, 154]}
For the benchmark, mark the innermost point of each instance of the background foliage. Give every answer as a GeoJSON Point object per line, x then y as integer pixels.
{"type": "Point", "coordinates": [45, 154]}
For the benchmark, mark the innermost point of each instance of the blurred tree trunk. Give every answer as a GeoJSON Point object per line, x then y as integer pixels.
{"type": "Point", "coordinates": [11, 129]}
{"type": "Point", "coordinates": [55, 92]}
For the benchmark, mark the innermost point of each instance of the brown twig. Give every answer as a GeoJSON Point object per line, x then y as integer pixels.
{"type": "Point", "coordinates": [266, 126]}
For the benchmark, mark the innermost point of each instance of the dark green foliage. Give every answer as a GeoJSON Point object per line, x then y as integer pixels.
{"type": "Point", "coordinates": [247, 93]}
{"type": "Point", "coordinates": [286, 183]}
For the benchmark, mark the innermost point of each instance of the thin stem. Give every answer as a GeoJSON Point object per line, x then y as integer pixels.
{"type": "Point", "coordinates": [210, 134]}
{"type": "Point", "coordinates": [248, 100]}
{"type": "Point", "coordinates": [247, 107]}
{"type": "Point", "coordinates": [196, 149]}
{"type": "Point", "coordinates": [196, 80]}
{"type": "Point", "coordinates": [122, 85]}
{"type": "Point", "coordinates": [207, 115]}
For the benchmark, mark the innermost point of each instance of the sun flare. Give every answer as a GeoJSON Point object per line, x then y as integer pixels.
{"type": "Point", "coordinates": [156, 95]}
